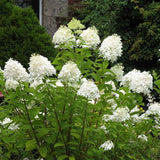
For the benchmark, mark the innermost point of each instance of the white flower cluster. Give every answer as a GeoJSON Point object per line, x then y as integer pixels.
{"type": "Point", "coordinates": [89, 90]}
{"type": "Point", "coordinates": [39, 67]}
{"type": "Point", "coordinates": [15, 71]}
{"type": "Point", "coordinates": [8, 121]}
{"type": "Point", "coordinates": [112, 103]}
{"type": "Point", "coordinates": [75, 24]}
{"type": "Point", "coordinates": [135, 115]}
{"type": "Point", "coordinates": [112, 84]}
{"type": "Point", "coordinates": [69, 73]}
{"type": "Point", "coordinates": [108, 145]}
{"type": "Point", "coordinates": [90, 38]}
{"type": "Point", "coordinates": [119, 115]}
{"type": "Point", "coordinates": [139, 118]}
{"type": "Point", "coordinates": [63, 36]}
{"type": "Point", "coordinates": [135, 109]}
{"type": "Point", "coordinates": [104, 129]}
{"type": "Point", "coordinates": [140, 82]}
{"type": "Point", "coordinates": [36, 83]}
{"type": "Point", "coordinates": [153, 109]}
{"type": "Point", "coordinates": [118, 71]}
{"type": "Point", "coordinates": [111, 48]}
{"type": "Point", "coordinates": [143, 137]}
{"type": "Point", "coordinates": [11, 84]}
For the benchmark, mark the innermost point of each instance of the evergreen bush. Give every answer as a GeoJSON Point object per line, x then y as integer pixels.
{"type": "Point", "coordinates": [21, 34]}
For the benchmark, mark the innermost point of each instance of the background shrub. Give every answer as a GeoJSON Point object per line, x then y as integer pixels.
{"type": "Point", "coordinates": [21, 34]}
{"type": "Point", "coordinates": [137, 22]}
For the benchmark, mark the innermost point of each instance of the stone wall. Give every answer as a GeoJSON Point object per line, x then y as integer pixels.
{"type": "Point", "coordinates": [54, 11]}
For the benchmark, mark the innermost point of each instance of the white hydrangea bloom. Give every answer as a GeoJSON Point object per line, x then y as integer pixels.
{"type": "Point", "coordinates": [118, 71]}
{"type": "Point", "coordinates": [89, 90]}
{"type": "Point", "coordinates": [59, 83]}
{"type": "Point", "coordinates": [140, 82]}
{"type": "Point", "coordinates": [36, 83]}
{"type": "Point", "coordinates": [6, 121]}
{"type": "Point", "coordinates": [136, 118]}
{"type": "Point", "coordinates": [143, 137]}
{"type": "Point", "coordinates": [119, 115]}
{"type": "Point", "coordinates": [150, 99]}
{"type": "Point", "coordinates": [63, 36]}
{"type": "Point", "coordinates": [113, 103]}
{"type": "Point", "coordinates": [13, 126]}
{"type": "Point", "coordinates": [108, 145]}
{"type": "Point", "coordinates": [14, 70]}
{"type": "Point", "coordinates": [11, 84]}
{"type": "Point", "coordinates": [69, 73]}
{"type": "Point", "coordinates": [118, 94]}
{"type": "Point", "coordinates": [154, 109]}
{"type": "Point", "coordinates": [104, 129]}
{"type": "Point", "coordinates": [39, 67]}
{"type": "Point", "coordinates": [111, 48]}
{"type": "Point", "coordinates": [75, 24]}
{"type": "Point", "coordinates": [90, 37]}
{"type": "Point", "coordinates": [135, 109]}
{"type": "Point", "coordinates": [135, 114]}
{"type": "Point", "coordinates": [112, 84]}
{"type": "Point", "coordinates": [157, 122]}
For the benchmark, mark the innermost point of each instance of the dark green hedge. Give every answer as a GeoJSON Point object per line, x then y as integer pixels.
{"type": "Point", "coordinates": [21, 35]}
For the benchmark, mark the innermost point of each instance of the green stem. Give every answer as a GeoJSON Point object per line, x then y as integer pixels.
{"type": "Point", "coordinates": [29, 119]}
{"type": "Point", "coordinates": [45, 118]}
{"type": "Point", "coordinates": [57, 119]}
{"type": "Point", "coordinates": [66, 94]}
{"type": "Point", "coordinates": [66, 89]}
{"type": "Point", "coordinates": [115, 148]}
{"type": "Point", "coordinates": [70, 123]}
{"type": "Point", "coordinates": [84, 122]}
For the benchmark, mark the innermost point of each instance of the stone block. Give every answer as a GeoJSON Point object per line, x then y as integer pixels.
{"type": "Point", "coordinates": [56, 8]}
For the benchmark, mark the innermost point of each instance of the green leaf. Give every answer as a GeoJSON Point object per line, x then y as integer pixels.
{"type": "Point", "coordinates": [75, 135]}
{"type": "Point", "coordinates": [43, 151]}
{"type": "Point", "coordinates": [71, 158]}
{"type": "Point", "coordinates": [31, 145]}
{"type": "Point", "coordinates": [62, 157]}
{"type": "Point", "coordinates": [42, 131]}
{"type": "Point", "coordinates": [58, 145]}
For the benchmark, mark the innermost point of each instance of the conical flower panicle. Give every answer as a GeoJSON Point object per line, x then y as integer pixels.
{"type": "Point", "coordinates": [15, 71]}
{"type": "Point", "coordinates": [39, 67]}
{"type": "Point", "coordinates": [89, 90]}
{"type": "Point", "coordinates": [111, 48]}
{"type": "Point", "coordinates": [63, 36]}
{"type": "Point", "coordinates": [69, 73]}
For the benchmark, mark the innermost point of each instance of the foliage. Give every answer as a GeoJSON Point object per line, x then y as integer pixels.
{"type": "Point", "coordinates": [21, 35]}
{"type": "Point", "coordinates": [137, 22]}
{"type": "Point", "coordinates": [148, 34]}
{"type": "Point", "coordinates": [52, 121]}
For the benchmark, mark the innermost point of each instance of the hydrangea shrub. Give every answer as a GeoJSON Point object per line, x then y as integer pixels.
{"type": "Point", "coordinates": [74, 108]}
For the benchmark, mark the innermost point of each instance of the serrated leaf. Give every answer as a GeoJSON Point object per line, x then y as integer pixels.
{"type": "Point", "coordinates": [30, 145]}
{"type": "Point", "coordinates": [43, 151]}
